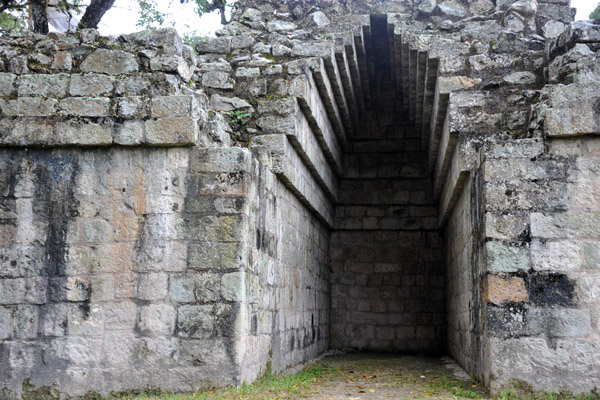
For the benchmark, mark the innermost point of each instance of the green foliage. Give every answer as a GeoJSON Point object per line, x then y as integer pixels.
{"type": "Point", "coordinates": [238, 117]}
{"type": "Point", "coordinates": [11, 23]}
{"type": "Point", "coordinates": [206, 6]}
{"type": "Point", "coordinates": [149, 15]}
{"type": "Point", "coordinates": [595, 15]}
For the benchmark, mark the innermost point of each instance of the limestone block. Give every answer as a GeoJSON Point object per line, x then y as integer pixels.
{"type": "Point", "coordinates": [520, 78]}
{"type": "Point", "coordinates": [280, 26]}
{"type": "Point", "coordinates": [207, 287]}
{"type": "Point", "coordinates": [181, 288]}
{"type": "Point", "coordinates": [589, 287]}
{"type": "Point", "coordinates": [572, 110]}
{"type": "Point", "coordinates": [102, 287]}
{"type": "Point", "coordinates": [135, 85]}
{"type": "Point", "coordinates": [233, 286]}
{"type": "Point", "coordinates": [562, 256]}
{"type": "Point", "coordinates": [242, 41]}
{"type": "Point", "coordinates": [131, 107]}
{"type": "Point", "coordinates": [43, 85]}
{"type": "Point", "coordinates": [37, 288]}
{"type": "Point", "coordinates": [592, 255]}
{"type": "Point", "coordinates": [82, 352]}
{"type": "Point", "coordinates": [120, 315]}
{"type": "Point", "coordinates": [504, 257]}
{"type": "Point", "coordinates": [69, 289]}
{"type": "Point", "coordinates": [7, 84]}
{"type": "Point", "coordinates": [566, 225]}
{"type": "Point", "coordinates": [54, 319]}
{"type": "Point", "coordinates": [217, 80]}
{"type": "Point", "coordinates": [207, 256]}
{"type": "Point", "coordinates": [129, 133]}
{"type": "Point", "coordinates": [63, 61]}
{"type": "Point", "coordinates": [85, 106]}
{"type": "Point", "coordinates": [83, 133]}
{"type": "Point", "coordinates": [153, 286]}
{"type": "Point", "coordinates": [171, 106]}
{"type": "Point", "coordinates": [28, 107]}
{"type": "Point", "coordinates": [175, 131]}
{"type": "Point", "coordinates": [243, 72]}
{"type": "Point", "coordinates": [86, 321]}
{"type": "Point", "coordinates": [227, 104]}
{"type": "Point", "coordinates": [156, 319]}
{"type": "Point", "coordinates": [318, 19]}
{"type": "Point", "coordinates": [221, 160]}
{"type": "Point", "coordinates": [5, 323]}
{"type": "Point", "coordinates": [111, 62]}
{"type": "Point", "coordinates": [91, 85]}
{"type": "Point", "coordinates": [195, 321]}
{"type": "Point", "coordinates": [220, 45]}
{"type": "Point", "coordinates": [12, 291]}
{"type": "Point", "coordinates": [559, 322]}
{"type": "Point", "coordinates": [498, 290]}
{"type": "Point", "coordinates": [119, 349]}
{"type": "Point", "coordinates": [166, 40]}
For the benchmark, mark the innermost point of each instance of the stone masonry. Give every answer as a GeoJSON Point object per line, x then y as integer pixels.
{"type": "Point", "coordinates": [397, 176]}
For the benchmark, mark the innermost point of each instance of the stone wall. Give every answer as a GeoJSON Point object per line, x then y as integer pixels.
{"type": "Point", "coordinates": [314, 177]}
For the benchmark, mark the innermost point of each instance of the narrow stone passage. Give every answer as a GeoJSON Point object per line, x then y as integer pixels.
{"type": "Point", "coordinates": [387, 376]}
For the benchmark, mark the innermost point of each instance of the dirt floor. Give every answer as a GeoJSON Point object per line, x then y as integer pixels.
{"type": "Point", "coordinates": [373, 376]}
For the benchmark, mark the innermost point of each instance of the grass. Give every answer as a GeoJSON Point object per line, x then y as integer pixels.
{"type": "Point", "coordinates": [270, 386]}
{"type": "Point", "coordinates": [458, 388]}
{"type": "Point", "coordinates": [515, 395]}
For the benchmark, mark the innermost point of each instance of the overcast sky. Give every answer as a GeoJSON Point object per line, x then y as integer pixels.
{"type": "Point", "coordinates": [122, 17]}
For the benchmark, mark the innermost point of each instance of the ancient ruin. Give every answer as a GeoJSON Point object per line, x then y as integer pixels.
{"type": "Point", "coordinates": [392, 176]}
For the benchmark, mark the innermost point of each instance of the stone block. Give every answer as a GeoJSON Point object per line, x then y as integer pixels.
{"type": "Point", "coordinates": [102, 287]}
{"type": "Point", "coordinates": [504, 257]}
{"type": "Point", "coordinates": [82, 133]}
{"type": "Point", "coordinates": [91, 85]}
{"type": "Point", "coordinates": [43, 85]}
{"type": "Point", "coordinates": [5, 323]}
{"type": "Point", "coordinates": [221, 45]}
{"type": "Point", "coordinates": [152, 286]}
{"type": "Point", "coordinates": [172, 131]}
{"type": "Point", "coordinates": [217, 80]}
{"type": "Point", "coordinates": [129, 133]}
{"type": "Point", "coordinates": [208, 287]}
{"type": "Point", "coordinates": [111, 62]}
{"type": "Point", "coordinates": [7, 84]}
{"type": "Point", "coordinates": [28, 107]}
{"type": "Point", "coordinates": [37, 290]}
{"type": "Point", "coordinates": [499, 290]}
{"type": "Point", "coordinates": [85, 106]}
{"type": "Point", "coordinates": [195, 321]}
{"type": "Point", "coordinates": [86, 320]}
{"type": "Point", "coordinates": [592, 255]}
{"type": "Point", "coordinates": [217, 256]}
{"type": "Point", "coordinates": [82, 351]}
{"type": "Point", "coordinates": [120, 315]}
{"type": "Point", "coordinates": [552, 290]}
{"type": "Point", "coordinates": [156, 319]}
{"type": "Point", "coordinates": [559, 322]}
{"type": "Point", "coordinates": [12, 291]}
{"type": "Point", "coordinates": [132, 107]}
{"type": "Point", "coordinates": [181, 288]}
{"type": "Point", "coordinates": [243, 72]}
{"type": "Point", "coordinates": [118, 349]}
{"type": "Point", "coordinates": [566, 225]}
{"type": "Point", "coordinates": [589, 287]}
{"type": "Point", "coordinates": [69, 289]}
{"type": "Point", "coordinates": [54, 319]}
{"type": "Point", "coordinates": [63, 61]}
{"type": "Point", "coordinates": [233, 286]}
{"type": "Point", "coordinates": [560, 256]}
{"type": "Point", "coordinates": [220, 160]}
{"type": "Point", "coordinates": [172, 106]}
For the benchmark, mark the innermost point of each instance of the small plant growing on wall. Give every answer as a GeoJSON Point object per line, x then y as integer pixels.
{"type": "Point", "coordinates": [238, 117]}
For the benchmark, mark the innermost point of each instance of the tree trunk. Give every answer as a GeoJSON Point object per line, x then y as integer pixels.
{"type": "Point", "coordinates": [94, 13]}
{"type": "Point", "coordinates": [39, 13]}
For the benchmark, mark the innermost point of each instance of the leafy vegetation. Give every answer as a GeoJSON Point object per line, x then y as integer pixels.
{"type": "Point", "coordinates": [595, 15]}
{"type": "Point", "coordinates": [238, 117]}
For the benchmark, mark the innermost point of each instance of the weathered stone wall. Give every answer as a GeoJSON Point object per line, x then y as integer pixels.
{"type": "Point", "coordinates": [137, 248]}
{"type": "Point", "coordinates": [193, 218]}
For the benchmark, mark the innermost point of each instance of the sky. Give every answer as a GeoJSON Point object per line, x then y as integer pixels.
{"type": "Point", "coordinates": [123, 16]}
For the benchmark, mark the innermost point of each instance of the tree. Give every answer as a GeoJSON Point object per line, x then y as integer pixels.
{"type": "Point", "coordinates": [39, 11]}
{"type": "Point", "coordinates": [595, 15]}
{"type": "Point", "coordinates": [206, 6]}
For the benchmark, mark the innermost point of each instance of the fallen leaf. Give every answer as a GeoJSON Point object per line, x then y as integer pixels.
{"type": "Point", "coordinates": [360, 387]}
{"type": "Point", "coordinates": [369, 376]}
{"type": "Point", "coordinates": [371, 390]}
{"type": "Point", "coordinates": [361, 391]}
{"type": "Point", "coordinates": [428, 394]}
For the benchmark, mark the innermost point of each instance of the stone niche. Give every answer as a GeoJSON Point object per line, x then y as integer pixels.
{"type": "Point", "coordinates": [414, 177]}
